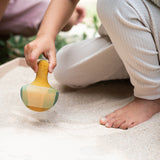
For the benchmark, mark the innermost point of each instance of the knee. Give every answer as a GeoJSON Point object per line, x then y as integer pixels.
{"type": "Point", "coordinates": [106, 8]}
{"type": "Point", "coordinates": [109, 12]}
{"type": "Point", "coordinates": [59, 71]}
{"type": "Point", "coordinates": [66, 71]}
{"type": "Point", "coordinates": [63, 72]}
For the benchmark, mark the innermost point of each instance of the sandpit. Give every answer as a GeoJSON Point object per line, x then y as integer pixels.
{"type": "Point", "coordinates": [71, 129]}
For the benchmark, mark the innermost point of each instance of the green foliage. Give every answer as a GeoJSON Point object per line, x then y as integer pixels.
{"type": "Point", "coordinates": [3, 52]}
{"type": "Point", "coordinates": [14, 46]}
{"type": "Point", "coordinates": [95, 23]}
{"type": "Point", "coordinates": [60, 42]}
{"type": "Point", "coordinates": [84, 36]}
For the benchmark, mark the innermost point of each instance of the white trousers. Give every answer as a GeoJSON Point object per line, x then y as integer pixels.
{"type": "Point", "coordinates": [132, 51]}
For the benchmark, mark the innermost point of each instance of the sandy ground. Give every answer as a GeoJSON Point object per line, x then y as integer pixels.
{"type": "Point", "coordinates": [71, 129]}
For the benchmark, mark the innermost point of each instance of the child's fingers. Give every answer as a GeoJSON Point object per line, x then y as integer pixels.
{"type": "Point", "coordinates": [26, 51]}
{"type": "Point", "coordinates": [52, 61]}
{"type": "Point", "coordinates": [33, 62]}
{"type": "Point", "coordinates": [31, 57]}
{"type": "Point", "coordinates": [81, 12]}
{"type": "Point", "coordinates": [40, 46]}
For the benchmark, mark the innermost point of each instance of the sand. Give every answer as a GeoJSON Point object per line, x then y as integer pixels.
{"type": "Point", "coordinates": [71, 129]}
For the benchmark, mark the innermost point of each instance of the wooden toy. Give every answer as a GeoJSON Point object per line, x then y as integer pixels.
{"type": "Point", "coordinates": [39, 95]}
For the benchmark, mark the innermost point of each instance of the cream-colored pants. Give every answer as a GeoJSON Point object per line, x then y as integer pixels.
{"type": "Point", "coordinates": [132, 51]}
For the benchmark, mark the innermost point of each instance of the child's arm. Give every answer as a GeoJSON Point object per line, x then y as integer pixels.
{"type": "Point", "coordinates": [57, 15]}
{"type": "Point", "coordinates": [77, 17]}
{"type": "Point", "coordinates": [3, 6]}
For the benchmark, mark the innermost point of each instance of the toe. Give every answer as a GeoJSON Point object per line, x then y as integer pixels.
{"type": "Point", "coordinates": [103, 121]}
{"type": "Point", "coordinates": [117, 123]}
{"type": "Point", "coordinates": [124, 125]}
{"type": "Point", "coordinates": [107, 118]}
{"type": "Point", "coordinates": [132, 125]}
{"type": "Point", "coordinates": [109, 123]}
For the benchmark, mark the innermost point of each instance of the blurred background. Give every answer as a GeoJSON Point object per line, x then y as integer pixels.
{"type": "Point", "coordinates": [13, 46]}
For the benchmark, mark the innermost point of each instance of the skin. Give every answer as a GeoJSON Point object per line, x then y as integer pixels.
{"type": "Point", "coordinates": [77, 17]}
{"type": "Point", "coordinates": [3, 6]}
{"type": "Point", "coordinates": [136, 112]}
{"type": "Point", "coordinates": [44, 43]}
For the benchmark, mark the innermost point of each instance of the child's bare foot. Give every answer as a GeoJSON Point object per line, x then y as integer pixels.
{"type": "Point", "coordinates": [136, 112]}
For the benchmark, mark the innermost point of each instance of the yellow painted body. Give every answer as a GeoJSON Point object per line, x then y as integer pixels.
{"type": "Point", "coordinates": [41, 80]}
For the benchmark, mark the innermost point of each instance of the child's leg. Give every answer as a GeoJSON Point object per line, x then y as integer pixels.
{"type": "Point", "coordinates": [87, 62]}
{"type": "Point", "coordinates": [134, 28]}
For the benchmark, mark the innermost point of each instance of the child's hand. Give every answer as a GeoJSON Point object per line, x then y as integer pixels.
{"type": "Point", "coordinates": [77, 17]}
{"type": "Point", "coordinates": [81, 14]}
{"type": "Point", "coordinates": [43, 44]}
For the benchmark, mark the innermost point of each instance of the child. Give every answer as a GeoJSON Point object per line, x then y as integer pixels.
{"type": "Point", "coordinates": [133, 44]}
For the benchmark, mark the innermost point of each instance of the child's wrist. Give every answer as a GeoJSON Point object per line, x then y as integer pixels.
{"type": "Point", "coordinates": [46, 35]}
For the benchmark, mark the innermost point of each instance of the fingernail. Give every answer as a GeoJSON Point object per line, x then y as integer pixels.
{"type": "Point", "coordinates": [36, 70]}
{"type": "Point", "coordinates": [50, 70]}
